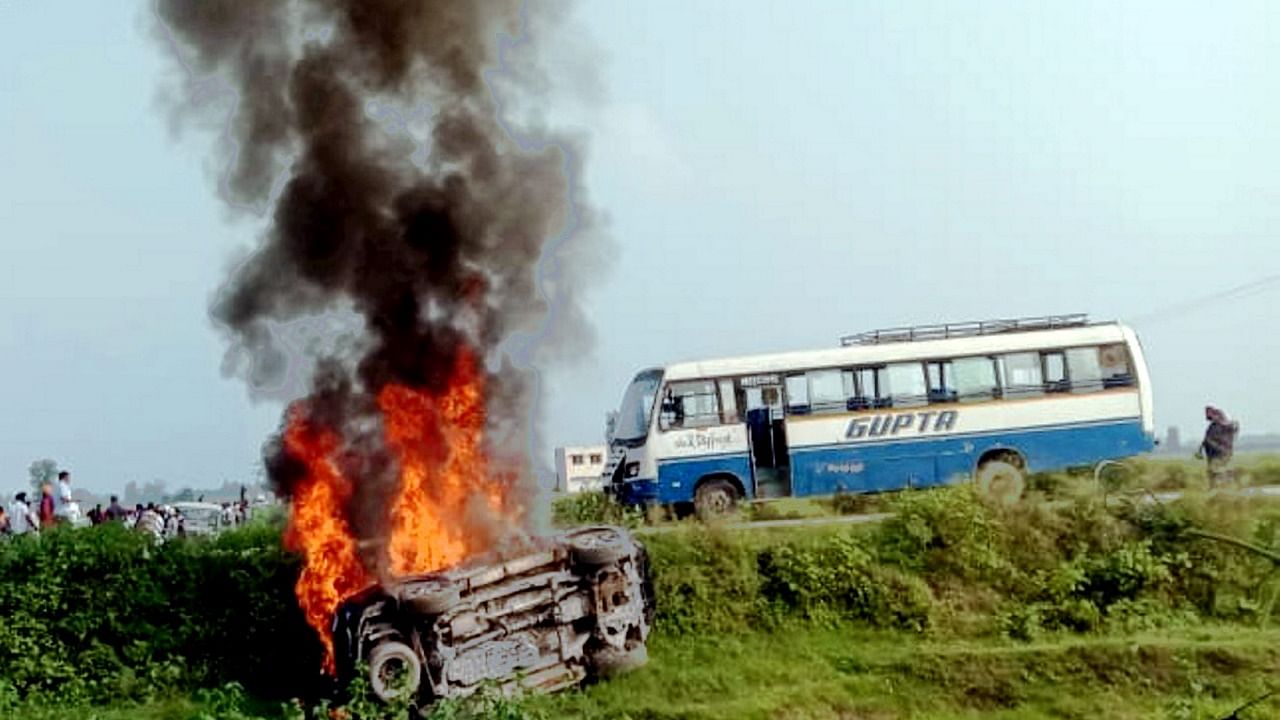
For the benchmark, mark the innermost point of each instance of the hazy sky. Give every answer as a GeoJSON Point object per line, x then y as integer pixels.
{"type": "Point", "coordinates": [773, 175]}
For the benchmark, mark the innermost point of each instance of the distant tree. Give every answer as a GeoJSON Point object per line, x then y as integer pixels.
{"type": "Point", "coordinates": [41, 472]}
{"type": "Point", "coordinates": [131, 493]}
{"type": "Point", "coordinates": [153, 491]}
{"type": "Point", "coordinates": [183, 495]}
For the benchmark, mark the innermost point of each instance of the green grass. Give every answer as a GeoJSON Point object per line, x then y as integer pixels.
{"type": "Point", "coordinates": [807, 672]}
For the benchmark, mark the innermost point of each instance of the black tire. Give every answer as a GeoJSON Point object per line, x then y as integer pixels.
{"type": "Point", "coordinates": [1112, 475]}
{"type": "Point", "coordinates": [599, 546]}
{"type": "Point", "coordinates": [395, 671]}
{"type": "Point", "coordinates": [608, 662]}
{"type": "Point", "coordinates": [715, 498]}
{"type": "Point", "coordinates": [432, 596]}
{"type": "Point", "coordinates": [1001, 480]}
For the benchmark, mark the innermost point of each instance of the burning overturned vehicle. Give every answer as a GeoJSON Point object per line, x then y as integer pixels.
{"type": "Point", "coordinates": [579, 606]}
{"type": "Point", "coordinates": [398, 300]}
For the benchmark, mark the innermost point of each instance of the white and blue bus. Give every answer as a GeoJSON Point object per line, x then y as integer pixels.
{"type": "Point", "coordinates": [889, 409]}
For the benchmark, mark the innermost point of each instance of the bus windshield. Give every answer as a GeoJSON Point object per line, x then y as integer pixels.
{"type": "Point", "coordinates": [637, 403]}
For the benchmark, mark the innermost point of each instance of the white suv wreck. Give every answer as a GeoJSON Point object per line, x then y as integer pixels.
{"type": "Point", "coordinates": [578, 607]}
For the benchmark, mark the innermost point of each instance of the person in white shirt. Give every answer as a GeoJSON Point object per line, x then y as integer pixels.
{"type": "Point", "coordinates": [65, 507]}
{"type": "Point", "coordinates": [22, 519]}
{"type": "Point", "coordinates": [151, 521]}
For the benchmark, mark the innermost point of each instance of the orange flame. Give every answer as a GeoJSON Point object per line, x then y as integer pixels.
{"type": "Point", "coordinates": [444, 480]}
{"type": "Point", "coordinates": [318, 529]}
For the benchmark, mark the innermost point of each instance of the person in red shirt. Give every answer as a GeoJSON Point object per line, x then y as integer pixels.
{"type": "Point", "coordinates": [47, 519]}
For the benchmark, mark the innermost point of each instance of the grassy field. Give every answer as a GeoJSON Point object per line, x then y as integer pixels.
{"type": "Point", "coordinates": [808, 672]}
{"type": "Point", "coordinates": [846, 673]}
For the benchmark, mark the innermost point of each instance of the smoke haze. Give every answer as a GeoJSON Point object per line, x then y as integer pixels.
{"type": "Point", "coordinates": [427, 246]}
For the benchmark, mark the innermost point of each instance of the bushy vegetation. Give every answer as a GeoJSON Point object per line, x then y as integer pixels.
{"type": "Point", "coordinates": [1154, 474]}
{"type": "Point", "coordinates": [947, 561]}
{"type": "Point", "coordinates": [593, 508]}
{"type": "Point", "coordinates": [104, 616]}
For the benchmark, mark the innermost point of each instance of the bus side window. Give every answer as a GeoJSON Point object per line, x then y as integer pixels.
{"type": "Point", "coordinates": [871, 390]}
{"type": "Point", "coordinates": [907, 387]}
{"type": "Point", "coordinates": [827, 390]}
{"type": "Point", "coordinates": [973, 379]}
{"type": "Point", "coordinates": [941, 382]}
{"type": "Point", "coordinates": [1116, 369]}
{"type": "Point", "coordinates": [1021, 375]}
{"type": "Point", "coordinates": [797, 387]}
{"type": "Point", "coordinates": [1084, 369]}
{"type": "Point", "coordinates": [1055, 371]}
{"type": "Point", "coordinates": [670, 411]}
{"type": "Point", "coordinates": [729, 404]}
{"type": "Point", "coordinates": [689, 404]}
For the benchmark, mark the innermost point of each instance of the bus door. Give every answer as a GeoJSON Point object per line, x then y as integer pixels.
{"type": "Point", "coordinates": [767, 436]}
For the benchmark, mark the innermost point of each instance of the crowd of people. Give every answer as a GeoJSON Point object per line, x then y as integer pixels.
{"type": "Point", "coordinates": [57, 506]}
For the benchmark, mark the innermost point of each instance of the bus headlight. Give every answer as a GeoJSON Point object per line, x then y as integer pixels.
{"type": "Point", "coordinates": [632, 470]}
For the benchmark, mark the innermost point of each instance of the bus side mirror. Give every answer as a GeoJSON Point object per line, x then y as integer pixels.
{"type": "Point", "coordinates": [610, 424]}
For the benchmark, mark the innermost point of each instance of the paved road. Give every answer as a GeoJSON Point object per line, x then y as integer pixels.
{"type": "Point", "coordinates": [795, 522]}
{"type": "Point", "coordinates": [1169, 496]}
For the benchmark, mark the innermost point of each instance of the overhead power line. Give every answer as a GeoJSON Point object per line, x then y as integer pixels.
{"type": "Point", "coordinates": [1185, 307]}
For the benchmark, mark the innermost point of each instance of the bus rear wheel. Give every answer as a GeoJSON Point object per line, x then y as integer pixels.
{"type": "Point", "coordinates": [715, 498]}
{"type": "Point", "coordinates": [1001, 479]}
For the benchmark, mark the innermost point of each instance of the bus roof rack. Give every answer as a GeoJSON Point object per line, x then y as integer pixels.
{"type": "Point", "coordinates": [965, 329]}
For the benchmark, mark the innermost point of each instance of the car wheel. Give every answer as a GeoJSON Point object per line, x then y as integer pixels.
{"type": "Point", "coordinates": [432, 596]}
{"type": "Point", "coordinates": [715, 498]}
{"type": "Point", "coordinates": [608, 661]}
{"type": "Point", "coordinates": [598, 546]}
{"type": "Point", "coordinates": [1001, 481]}
{"type": "Point", "coordinates": [394, 671]}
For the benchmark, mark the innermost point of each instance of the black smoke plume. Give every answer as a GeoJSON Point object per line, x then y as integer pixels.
{"type": "Point", "coordinates": [426, 248]}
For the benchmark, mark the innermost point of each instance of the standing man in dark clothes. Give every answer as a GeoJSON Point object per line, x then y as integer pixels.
{"type": "Point", "coordinates": [114, 513]}
{"type": "Point", "coordinates": [1218, 445]}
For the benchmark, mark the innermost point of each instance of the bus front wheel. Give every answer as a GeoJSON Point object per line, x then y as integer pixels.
{"type": "Point", "coordinates": [1002, 480]}
{"type": "Point", "coordinates": [715, 498]}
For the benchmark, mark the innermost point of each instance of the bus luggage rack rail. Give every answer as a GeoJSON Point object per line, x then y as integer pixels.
{"type": "Point", "coordinates": [965, 329]}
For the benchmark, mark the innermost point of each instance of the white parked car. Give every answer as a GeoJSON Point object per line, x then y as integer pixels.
{"type": "Point", "coordinates": [199, 518]}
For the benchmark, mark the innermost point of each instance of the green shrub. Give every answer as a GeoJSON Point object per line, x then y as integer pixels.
{"type": "Point", "coordinates": [839, 580]}
{"type": "Point", "coordinates": [1265, 472]}
{"type": "Point", "coordinates": [1050, 483]}
{"type": "Point", "coordinates": [104, 613]}
{"type": "Point", "coordinates": [593, 508]}
{"type": "Point", "coordinates": [1215, 578]}
{"type": "Point", "coordinates": [1171, 476]}
{"type": "Point", "coordinates": [771, 511]}
{"type": "Point", "coordinates": [948, 532]}
{"type": "Point", "coordinates": [705, 579]}
{"type": "Point", "coordinates": [855, 503]}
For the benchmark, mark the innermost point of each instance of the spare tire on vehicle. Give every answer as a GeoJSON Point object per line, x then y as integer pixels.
{"type": "Point", "coordinates": [599, 546]}
{"type": "Point", "coordinates": [395, 672]}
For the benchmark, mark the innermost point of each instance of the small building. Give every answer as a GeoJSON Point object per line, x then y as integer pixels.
{"type": "Point", "coordinates": [578, 467]}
